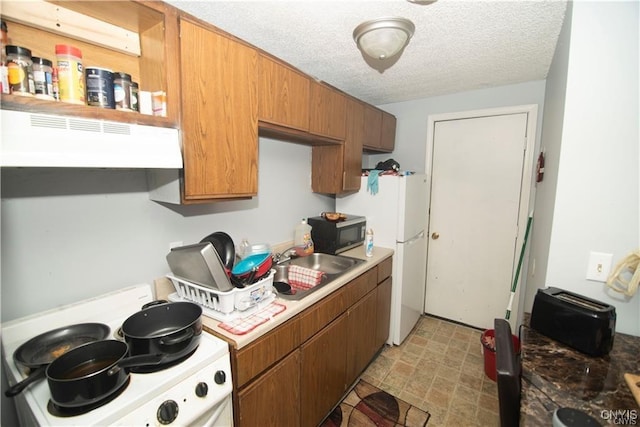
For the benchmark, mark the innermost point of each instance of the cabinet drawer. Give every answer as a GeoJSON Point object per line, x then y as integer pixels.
{"type": "Point", "coordinates": [384, 269]}
{"type": "Point", "coordinates": [321, 314]}
{"type": "Point", "coordinates": [265, 351]}
{"type": "Point", "coordinates": [360, 286]}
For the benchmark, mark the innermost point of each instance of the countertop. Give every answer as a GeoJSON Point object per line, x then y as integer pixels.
{"type": "Point", "coordinates": [556, 376]}
{"type": "Point", "coordinates": [164, 287]}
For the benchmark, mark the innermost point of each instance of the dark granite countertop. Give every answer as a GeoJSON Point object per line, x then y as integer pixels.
{"type": "Point", "coordinates": [556, 376]}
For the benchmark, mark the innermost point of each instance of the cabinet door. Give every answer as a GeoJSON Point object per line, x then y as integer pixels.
{"type": "Point", "coordinates": [274, 398]}
{"type": "Point", "coordinates": [337, 168]}
{"type": "Point", "coordinates": [388, 132]}
{"type": "Point", "coordinates": [219, 115]}
{"type": "Point", "coordinates": [352, 163]}
{"type": "Point", "coordinates": [383, 312]}
{"type": "Point", "coordinates": [372, 127]}
{"type": "Point", "coordinates": [283, 95]}
{"type": "Point", "coordinates": [323, 367]}
{"type": "Point", "coordinates": [327, 111]}
{"type": "Point", "coordinates": [361, 335]}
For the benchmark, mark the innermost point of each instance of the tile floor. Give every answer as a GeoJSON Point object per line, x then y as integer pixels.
{"type": "Point", "coordinates": [439, 368]}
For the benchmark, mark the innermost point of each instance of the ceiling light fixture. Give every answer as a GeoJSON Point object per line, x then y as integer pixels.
{"type": "Point", "coordinates": [383, 38]}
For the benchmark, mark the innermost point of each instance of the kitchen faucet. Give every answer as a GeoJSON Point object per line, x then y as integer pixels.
{"type": "Point", "coordinates": [284, 256]}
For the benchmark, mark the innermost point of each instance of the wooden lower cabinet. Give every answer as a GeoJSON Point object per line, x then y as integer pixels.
{"type": "Point", "coordinates": [361, 332]}
{"type": "Point", "coordinates": [295, 374]}
{"type": "Point", "coordinates": [383, 312]}
{"type": "Point", "coordinates": [323, 369]}
{"type": "Point", "coordinates": [273, 399]}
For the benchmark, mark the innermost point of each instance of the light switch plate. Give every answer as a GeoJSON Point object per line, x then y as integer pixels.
{"type": "Point", "coordinates": [599, 266]}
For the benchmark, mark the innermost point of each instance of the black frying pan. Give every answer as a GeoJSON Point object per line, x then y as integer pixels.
{"type": "Point", "coordinates": [223, 244]}
{"type": "Point", "coordinates": [40, 351]}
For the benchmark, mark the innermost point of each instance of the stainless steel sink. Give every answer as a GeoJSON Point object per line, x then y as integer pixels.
{"type": "Point", "coordinates": [333, 266]}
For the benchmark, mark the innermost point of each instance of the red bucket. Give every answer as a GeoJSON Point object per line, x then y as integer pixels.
{"type": "Point", "coordinates": [489, 352]}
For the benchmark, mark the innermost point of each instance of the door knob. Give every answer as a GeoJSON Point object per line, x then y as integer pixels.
{"type": "Point", "coordinates": [435, 235]}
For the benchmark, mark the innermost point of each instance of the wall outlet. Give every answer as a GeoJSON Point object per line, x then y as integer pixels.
{"type": "Point", "coordinates": [599, 266]}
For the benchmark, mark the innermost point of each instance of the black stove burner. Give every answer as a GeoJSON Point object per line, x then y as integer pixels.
{"type": "Point", "coordinates": [65, 412]}
{"type": "Point", "coordinates": [148, 369]}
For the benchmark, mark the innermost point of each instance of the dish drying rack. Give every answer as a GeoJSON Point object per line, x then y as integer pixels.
{"type": "Point", "coordinates": [225, 306]}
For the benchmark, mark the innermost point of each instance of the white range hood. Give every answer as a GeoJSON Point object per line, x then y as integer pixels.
{"type": "Point", "coordinates": [46, 140]}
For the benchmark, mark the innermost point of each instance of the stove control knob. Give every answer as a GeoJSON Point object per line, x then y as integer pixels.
{"type": "Point", "coordinates": [220, 377]}
{"type": "Point", "coordinates": [202, 389]}
{"type": "Point", "coordinates": [167, 412]}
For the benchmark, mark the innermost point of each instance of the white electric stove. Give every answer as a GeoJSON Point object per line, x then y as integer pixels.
{"type": "Point", "coordinates": [196, 391]}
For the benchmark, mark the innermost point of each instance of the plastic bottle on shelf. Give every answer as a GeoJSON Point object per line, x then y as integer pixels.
{"type": "Point", "coordinates": [302, 239]}
{"type": "Point", "coordinates": [368, 243]}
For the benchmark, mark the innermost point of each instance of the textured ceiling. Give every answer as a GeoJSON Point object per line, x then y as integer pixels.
{"type": "Point", "coordinates": [457, 46]}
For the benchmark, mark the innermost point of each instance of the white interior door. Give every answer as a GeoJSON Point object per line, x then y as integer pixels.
{"type": "Point", "coordinates": [477, 175]}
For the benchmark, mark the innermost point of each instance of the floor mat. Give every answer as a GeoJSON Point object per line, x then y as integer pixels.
{"type": "Point", "coordinates": [367, 405]}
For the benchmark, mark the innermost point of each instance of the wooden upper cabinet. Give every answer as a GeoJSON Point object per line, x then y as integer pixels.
{"type": "Point", "coordinates": [219, 115]}
{"type": "Point", "coordinates": [283, 94]}
{"type": "Point", "coordinates": [379, 130]}
{"type": "Point", "coordinates": [352, 166]}
{"type": "Point", "coordinates": [337, 168]}
{"type": "Point", "coordinates": [372, 127]}
{"type": "Point", "coordinates": [388, 132]}
{"type": "Point", "coordinates": [327, 111]}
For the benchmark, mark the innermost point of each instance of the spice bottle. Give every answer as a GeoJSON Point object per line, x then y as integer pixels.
{"type": "Point", "coordinates": [42, 77]}
{"type": "Point", "coordinates": [122, 91]}
{"type": "Point", "coordinates": [134, 96]}
{"type": "Point", "coordinates": [4, 71]}
{"type": "Point", "coordinates": [70, 74]}
{"type": "Point", "coordinates": [20, 70]}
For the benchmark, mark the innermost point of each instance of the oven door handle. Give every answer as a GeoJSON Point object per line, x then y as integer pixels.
{"type": "Point", "coordinates": [211, 421]}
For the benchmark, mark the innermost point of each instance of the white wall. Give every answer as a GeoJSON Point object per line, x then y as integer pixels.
{"type": "Point", "coordinates": [598, 188]}
{"type": "Point", "coordinates": [70, 234]}
{"type": "Point", "coordinates": [411, 123]}
{"type": "Point", "coordinates": [551, 141]}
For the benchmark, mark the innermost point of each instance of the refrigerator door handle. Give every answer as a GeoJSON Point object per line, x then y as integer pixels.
{"type": "Point", "coordinates": [418, 236]}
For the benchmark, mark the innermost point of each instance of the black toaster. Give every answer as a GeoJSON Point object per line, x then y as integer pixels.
{"type": "Point", "coordinates": [582, 323]}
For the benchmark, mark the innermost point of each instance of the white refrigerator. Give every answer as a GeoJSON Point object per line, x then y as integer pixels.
{"type": "Point", "coordinates": [399, 216]}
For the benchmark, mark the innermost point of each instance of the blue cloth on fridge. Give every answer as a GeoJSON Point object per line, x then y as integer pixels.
{"type": "Point", "coordinates": [372, 181]}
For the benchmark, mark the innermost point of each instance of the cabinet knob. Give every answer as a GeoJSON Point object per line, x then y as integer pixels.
{"type": "Point", "coordinates": [435, 235]}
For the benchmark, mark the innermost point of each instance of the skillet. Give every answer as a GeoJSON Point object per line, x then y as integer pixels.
{"type": "Point", "coordinates": [223, 244]}
{"type": "Point", "coordinates": [41, 350]}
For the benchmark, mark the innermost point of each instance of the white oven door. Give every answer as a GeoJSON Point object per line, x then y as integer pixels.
{"type": "Point", "coordinates": [220, 415]}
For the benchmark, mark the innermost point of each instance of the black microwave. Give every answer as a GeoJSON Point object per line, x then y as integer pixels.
{"type": "Point", "coordinates": [333, 237]}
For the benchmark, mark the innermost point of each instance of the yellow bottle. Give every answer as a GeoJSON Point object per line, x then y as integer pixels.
{"type": "Point", "coordinates": [302, 239]}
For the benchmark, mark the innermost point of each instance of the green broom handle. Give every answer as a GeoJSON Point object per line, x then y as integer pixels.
{"type": "Point", "coordinates": [515, 279]}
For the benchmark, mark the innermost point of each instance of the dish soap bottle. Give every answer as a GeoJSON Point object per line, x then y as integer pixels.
{"type": "Point", "coordinates": [368, 243]}
{"type": "Point", "coordinates": [302, 239]}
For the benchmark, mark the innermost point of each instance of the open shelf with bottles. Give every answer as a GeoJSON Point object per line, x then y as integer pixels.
{"type": "Point", "coordinates": [123, 36]}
